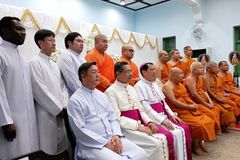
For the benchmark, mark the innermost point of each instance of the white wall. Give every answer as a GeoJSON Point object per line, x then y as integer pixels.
{"type": "Point", "coordinates": [176, 18]}
{"type": "Point", "coordinates": [93, 11]}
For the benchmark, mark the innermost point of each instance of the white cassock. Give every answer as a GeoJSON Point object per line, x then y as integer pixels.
{"type": "Point", "coordinates": [123, 97]}
{"type": "Point", "coordinates": [150, 93]}
{"type": "Point", "coordinates": [16, 103]}
{"type": "Point", "coordinates": [50, 96]}
{"type": "Point", "coordinates": [94, 123]}
{"type": "Point", "coordinates": [68, 63]}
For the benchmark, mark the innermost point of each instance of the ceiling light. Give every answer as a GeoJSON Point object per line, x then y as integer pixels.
{"type": "Point", "coordinates": [122, 2]}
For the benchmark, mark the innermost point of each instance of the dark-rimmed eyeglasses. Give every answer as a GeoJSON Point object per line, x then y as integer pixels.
{"type": "Point", "coordinates": [131, 50]}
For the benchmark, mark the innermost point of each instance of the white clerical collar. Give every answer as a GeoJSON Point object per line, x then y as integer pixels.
{"type": "Point", "coordinates": [121, 84]}
{"type": "Point", "coordinates": [87, 89]}
{"type": "Point", "coordinates": [9, 44]}
{"type": "Point", "coordinates": [73, 52]}
{"type": "Point", "coordinates": [146, 81]}
{"type": "Point", "coordinates": [44, 56]}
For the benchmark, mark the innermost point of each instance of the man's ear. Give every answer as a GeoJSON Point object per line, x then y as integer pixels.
{"type": "Point", "coordinates": [40, 42]}
{"type": "Point", "coordinates": [69, 43]}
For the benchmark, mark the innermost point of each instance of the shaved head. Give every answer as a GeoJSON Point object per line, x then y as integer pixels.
{"type": "Point", "coordinates": [99, 37]}
{"type": "Point", "coordinates": [176, 75]}
{"type": "Point", "coordinates": [210, 65]}
{"type": "Point", "coordinates": [163, 56]}
{"type": "Point", "coordinates": [195, 65]}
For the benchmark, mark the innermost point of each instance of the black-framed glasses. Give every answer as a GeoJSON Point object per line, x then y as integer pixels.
{"type": "Point", "coordinates": [131, 50]}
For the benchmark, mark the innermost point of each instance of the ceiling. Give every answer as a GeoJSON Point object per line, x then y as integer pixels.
{"type": "Point", "coordinates": [136, 5]}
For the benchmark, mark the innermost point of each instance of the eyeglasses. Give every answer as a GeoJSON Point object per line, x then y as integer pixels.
{"type": "Point", "coordinates": [131, 50]}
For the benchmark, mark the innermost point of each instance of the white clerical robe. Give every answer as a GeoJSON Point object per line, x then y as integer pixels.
{"type": "Point", "coordinates": [16, 103]}
{"type": "Point", "coordinates": [50, 94]}
{"type": "Point", "coordinates": [150, 93]}
{"type": "Point", "coordinates": [68, 63]}
{"type": "Point", "coordinates": [94, 123]}
{"type": "Point", "coordinates": [123, 97]}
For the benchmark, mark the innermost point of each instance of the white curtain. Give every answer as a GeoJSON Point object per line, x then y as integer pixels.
{"type": "Point", "coordinates": [146, 46]}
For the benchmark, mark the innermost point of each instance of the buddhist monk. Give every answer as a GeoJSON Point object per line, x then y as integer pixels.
{"type": "Point", "coordinates": [197, 89]}
{"type": "Point", "coordinates": [175, 61]}
{"type": "Point", "coordinates": [162, 68]}
{"type": "Point", "coordinates": [215, 90]}
{"type": "Point", "coordinates": [104, 62]}
{"type": "Point", "coordinates": [229, 85]}
{"type": "Point", "coordinates": [201, 126]}
{"type": "Point", "coordinates": [187, 58]}
{"type": "Point", "coordinates": [127, 55]}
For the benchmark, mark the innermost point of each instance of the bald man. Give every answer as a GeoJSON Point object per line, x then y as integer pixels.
{"type": "Point", "coordinates": [201, 126]}
{"type": "Point", "coordinates": [104, 62]}
{"type": "Point", "coordinates": [127, 55]}
{"type": "Point", "coordinates": [162, 68]}
{"type": "Point", "coordinates": [175, 61]}
{"type": "Point", "coordinates": [214, 86]}
{"type": "Point", "coordinates": [197, 89]}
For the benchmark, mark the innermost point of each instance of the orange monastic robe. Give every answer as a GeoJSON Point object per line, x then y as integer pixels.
{"type": "Point", "coordinates": [227, 110]}
{"type": "Point", "coordinates": [163, 71]}
{"type": "Point", "coordinates": [214, 113]}
{"type": "Point", "coordinates": [182, 65]}
{"type": "Point", "coordinates": [201, 126]}
{"type": "Point", "coordinates": [229, 84]}
{"type": "Point", "coordinates": [134, 68]}
{"type": "Point", "coordinates": [188, 64]}
{"type": "Point", "coordinates": [105, 65]}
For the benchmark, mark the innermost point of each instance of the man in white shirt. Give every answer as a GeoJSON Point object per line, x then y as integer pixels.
{"type": "Point", "coordinates": [18, 134]}
{"type": "Point", "coordinates": [94, 123]}
{"type": "Point", "coordinates": [50, 94]}
{"type": "Point", "coordinates": [136, 124]}
{"type": "Point", "coordinates": [70, 61]}
{"type": "Point", "coordinates": [157, 109]}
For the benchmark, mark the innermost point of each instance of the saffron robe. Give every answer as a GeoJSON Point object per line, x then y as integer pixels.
{"type": "Point", "coordinates": [105, 65]}
{"type": "Point", "coordinates": [201, 126]}
{"type": "Point", "coordinates": [226, 109]}
{"type": "Point", "coordinates": [213, 113]}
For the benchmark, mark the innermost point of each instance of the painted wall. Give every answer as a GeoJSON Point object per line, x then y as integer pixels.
{"type": "Point", "coordinates": [93, 11]}
{"type": "Point", "coordinates": [176, 18]}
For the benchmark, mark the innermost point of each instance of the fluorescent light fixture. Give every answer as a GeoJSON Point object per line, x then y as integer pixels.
{"type": "Point", "coordinates": [122, 2]}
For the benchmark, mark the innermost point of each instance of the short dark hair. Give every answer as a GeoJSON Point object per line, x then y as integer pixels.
{"type": "Point", "coordinates": [71, 37]}
{"type": "Point", "coordinates": [144, 67]}
{"type": "Point", "coordinates": [186, 48]}
{"type": "Point", "coordinates": [118, 67]}
{"type": "Point", "coordinates": [5, 23]}
{"type": "Point", "coordinates": [82, 70]}
{"type": "Point", "coordinates": [41, 34]}
{"type": "Point", "coordinates": [221, 63]}
{"type": "Point", "coordinates": [172, 51]}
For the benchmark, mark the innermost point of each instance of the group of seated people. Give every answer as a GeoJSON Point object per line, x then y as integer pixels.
{"type": "Point", "coordinates": [114, 114]}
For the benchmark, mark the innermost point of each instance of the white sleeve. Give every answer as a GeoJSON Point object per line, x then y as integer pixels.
{"type": "Point", "coordinates": [41, 93]}
{"type": "Point", "coordinates": [5, 112]}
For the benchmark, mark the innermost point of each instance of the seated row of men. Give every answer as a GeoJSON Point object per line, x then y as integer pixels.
{"type": "Point", "coordinates": [125, 122]}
